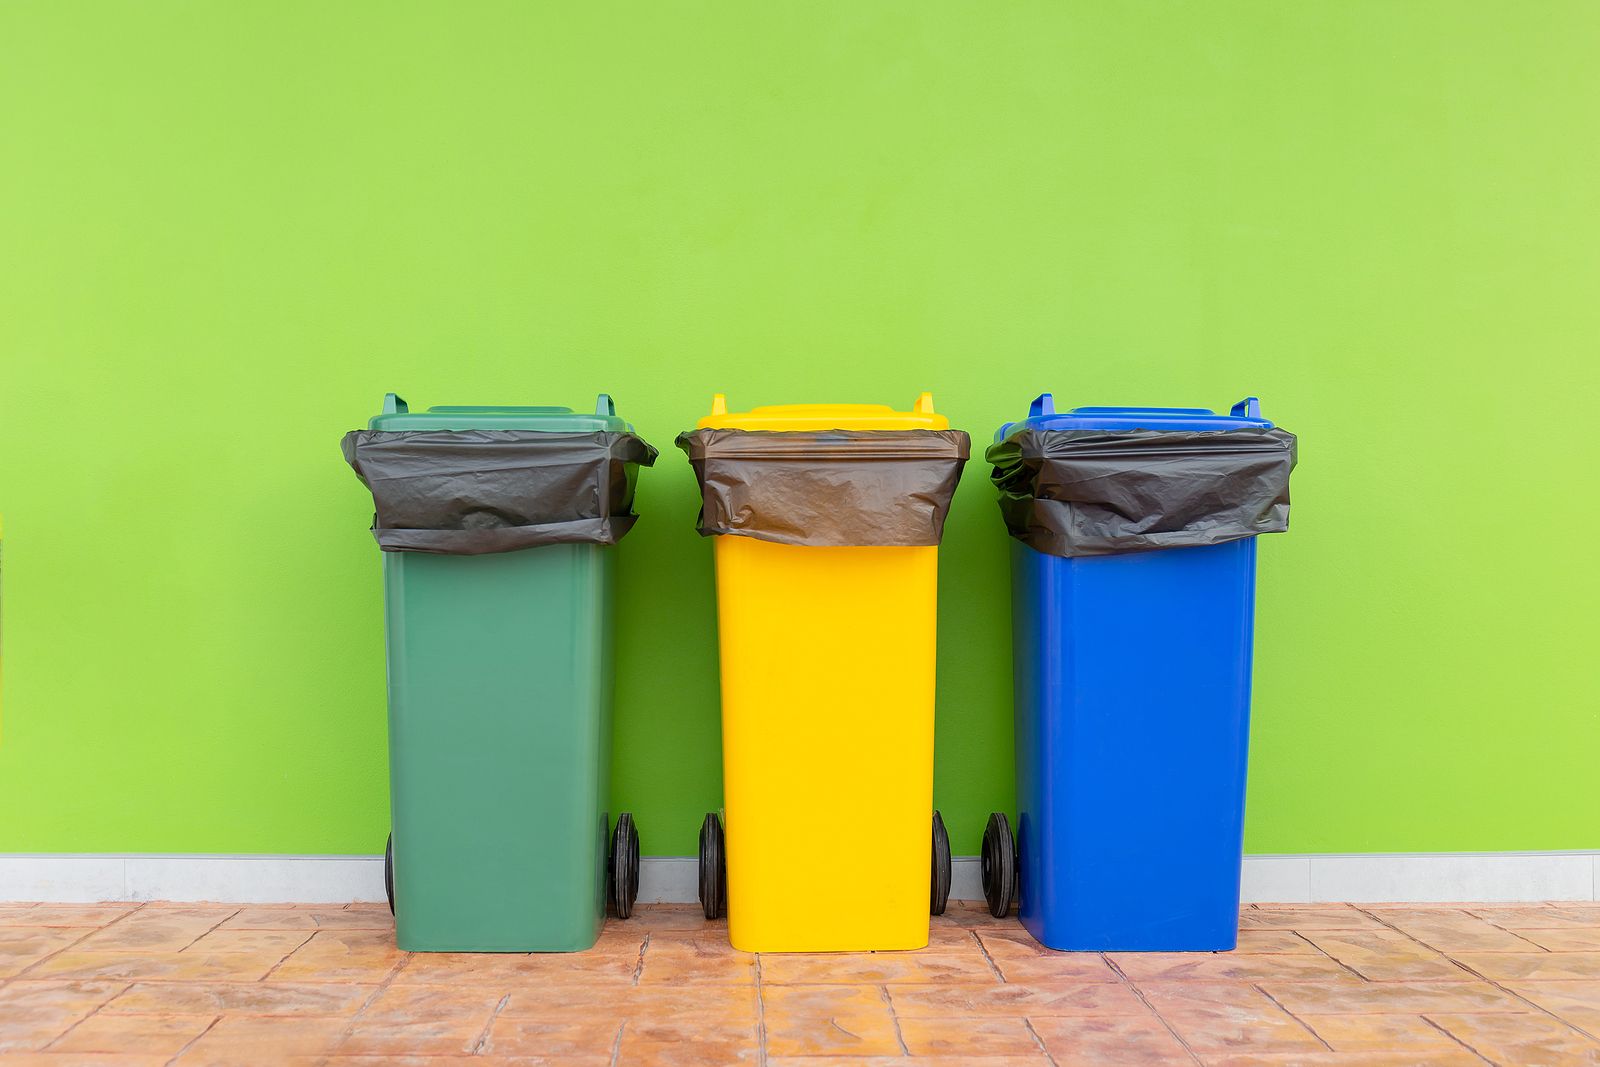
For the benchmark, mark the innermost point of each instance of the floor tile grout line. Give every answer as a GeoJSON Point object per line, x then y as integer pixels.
{"type": "Point", "coordinates": [1162, 1019]}
{"type": "Point", "coordinates": [1533, 946]}
{"type": "Point", "coordinates": [1539, 1008]}
{"type": "Point", "coordinates": [187, 1045]}
{"type": "Point", "coordinates": [211, 930]}
{"type": "Point", "coordinates": [1457, 1040]}
{"type": "Point", "coordinates": [761, 1017]}
{"type": "Point", "coordinates": [638, 969]}
{"type": "Point", "coordinates": [1281, 1007]}
{"type": "Point", "coordinates": [1371, 914]}
{"type": "Point", "coordinates": [616, 1043]}
{"type": "Point", "coordinates": [98, 1008]}
{"type": "Point", "coordinates": [372, 997]}
{"type": "Point", "coordinates": [483, 1036]}
{"type": "Point", "coordinates": [285, 958]}
{"type": "Point", "coordinates": [994, 967]}
{"type": "Point", "coordinates": [1374, 914]}
{"type": "Point", "coordinates": [1037, 1040]}
{"type": "Point", "coordinates": [1330, 956]}
{"type": "Point", "coordinates": [383, 987]}
{"type": "Point", "coordinates": [1509, 992]}
{"type": "Point", "coordinates": [894, 1017]}
{"type": "Point", "coordinates": [1513, 933]}
{"type": "Point", "coordinates": [75, 942]}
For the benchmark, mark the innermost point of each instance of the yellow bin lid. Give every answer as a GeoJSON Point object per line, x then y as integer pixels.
{"type": "Point", "coordinates": [825, 417]}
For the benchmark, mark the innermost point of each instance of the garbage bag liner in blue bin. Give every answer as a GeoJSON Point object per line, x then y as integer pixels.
{"type": "Point", "coordinates": [1134, 561]}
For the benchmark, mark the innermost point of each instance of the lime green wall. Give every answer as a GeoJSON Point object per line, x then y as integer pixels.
{"type": "Point", "coordinates": [227, 228]}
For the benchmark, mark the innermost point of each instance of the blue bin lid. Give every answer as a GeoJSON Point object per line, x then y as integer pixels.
{"type": "Point", "coordinates": [1042, 415]}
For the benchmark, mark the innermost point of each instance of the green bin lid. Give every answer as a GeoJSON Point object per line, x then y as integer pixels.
{"type": "Point", "coordinates": [398, 416]}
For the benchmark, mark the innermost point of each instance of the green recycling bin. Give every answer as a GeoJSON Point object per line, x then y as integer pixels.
{"type": "Point", "coordinates": [498, 527]}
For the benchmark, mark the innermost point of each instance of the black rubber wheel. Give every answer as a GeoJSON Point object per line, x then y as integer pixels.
{"type": "Point", "coordinates": [713, 868]}
{"type": "Point", "coordinates": [941, 867]}
{"type": "Point", "coordinates": [624, 866]}
{"type": "Point", "coordinates": [388, 871]}
{"type": "Point", "coordinates": [999, 865]}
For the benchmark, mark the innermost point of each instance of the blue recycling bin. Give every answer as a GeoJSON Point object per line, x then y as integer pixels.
{"type": "Point", "coordinates": [1132, 703]}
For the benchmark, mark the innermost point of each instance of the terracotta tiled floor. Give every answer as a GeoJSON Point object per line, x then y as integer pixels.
{"type": "Point", "coordinates": [220, 984]}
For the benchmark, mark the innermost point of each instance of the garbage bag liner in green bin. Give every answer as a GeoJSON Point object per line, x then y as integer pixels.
{"type": "Point", "coordinates": [465, 492]}
{"type": "Point", "coordinates": [499, 529]}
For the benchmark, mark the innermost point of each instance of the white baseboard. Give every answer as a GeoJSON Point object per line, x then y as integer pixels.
{"type": "Point", "coordinates": [77, 879]}
{"type": "Point", "coordinates": [669, 880]}
{"type": "Point", "coordinates": [1436, 877]}
{"type": "Point", "coordinates": [1304, 879]}
{"type": "Point", "coordinates": [676, 879]}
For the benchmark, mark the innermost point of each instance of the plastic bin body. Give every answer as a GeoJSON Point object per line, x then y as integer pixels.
{"type": "Point", "coordinates": [827, 658]}
{"type": "Point", "coordinates": [500, 680]}
{"type": "Point", "coordinates": [1132, 696]}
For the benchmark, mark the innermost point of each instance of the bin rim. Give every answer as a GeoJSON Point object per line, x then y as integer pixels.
{"type": "Point", "coordinates": [397, 416]}
{"type": "Point", "coordinates": [1042, 415]}
{"type": "Point", "coordinates": [812, 417]}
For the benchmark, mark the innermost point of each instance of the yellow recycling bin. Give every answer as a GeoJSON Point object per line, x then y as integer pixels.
{"type": "Point", "coordinates": [827, 520]}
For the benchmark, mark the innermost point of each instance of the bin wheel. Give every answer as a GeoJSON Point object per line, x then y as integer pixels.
{"type": "Point", "coordinates": [388, 871]}
{"type": "Point", "coordinates": [713, 868]}
{"type": "Point", "coordinates": [941, 866]}
{"type": "Point", "coordinates": [999, 865]}
{"type": "Point", "coordinates": [624, 866]}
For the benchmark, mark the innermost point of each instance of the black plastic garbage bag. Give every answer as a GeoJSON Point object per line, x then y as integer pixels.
{"type": "Point", "coordinates": [1096, 493]}
{"type": "Point", "coordinates": [827, 487]}
{"type": "Point", "coordinates": [471, 492]}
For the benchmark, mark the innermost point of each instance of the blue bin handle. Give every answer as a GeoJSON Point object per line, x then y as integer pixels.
{"type": "Point", "coordinates": [1248, 408]}
{"type": "Point", "coordinates": [393, 405]}
{"type": "Point", "coordinates": [604, 405]}
{"type": "Point", "coordinates": [1044, 404]}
